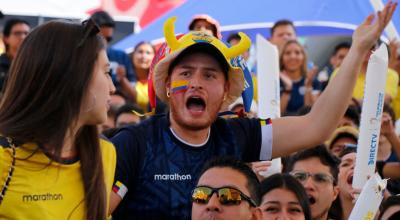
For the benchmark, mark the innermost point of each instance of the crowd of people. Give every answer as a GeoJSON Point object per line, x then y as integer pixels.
{"type": "Point", "coordinates": [82, 139]}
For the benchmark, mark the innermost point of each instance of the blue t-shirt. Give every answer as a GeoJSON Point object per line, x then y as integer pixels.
{"type": "Point", "coordinates": [123, 59]}
{"type": "Point", "coordinates": [160, 171]}
{"type": "Point", "coordinates": [296, 100]}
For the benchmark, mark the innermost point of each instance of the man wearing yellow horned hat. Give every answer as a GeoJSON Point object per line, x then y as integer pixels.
{"type": "Point", "coordinates": [159, 160]}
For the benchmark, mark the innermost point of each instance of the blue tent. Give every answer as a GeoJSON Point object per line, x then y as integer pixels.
{"type": "Point", "coordinates": [311, 17]}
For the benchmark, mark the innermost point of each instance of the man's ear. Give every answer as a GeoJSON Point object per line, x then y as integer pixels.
{"type": "Point", "coordinates": [336, 191]}
{"type": "Point", "coordinates": [5, 40]}
{"type": "Point", "coordinates": [226, 88]}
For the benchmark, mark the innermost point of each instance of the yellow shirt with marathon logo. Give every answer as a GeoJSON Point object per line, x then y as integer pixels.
{"type": "Point", "coordinates": [42, 190]}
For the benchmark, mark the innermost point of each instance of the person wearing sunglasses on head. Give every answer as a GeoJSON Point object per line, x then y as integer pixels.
{"type": "Point", "coordinates": [227, 189]}
{"type": "Point", "coordinates": [317, 170]}
{"type": "Point", "coordinates": [53, 164]}
{"type": "Point", "coordinates": [283, 197]}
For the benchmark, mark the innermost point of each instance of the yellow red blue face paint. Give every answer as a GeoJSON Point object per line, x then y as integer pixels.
{"type": "Point", "coordinates": [178, 86]}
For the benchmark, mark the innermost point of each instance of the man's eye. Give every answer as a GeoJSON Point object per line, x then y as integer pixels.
{"type": "Point", "coordinates": [185, 73]}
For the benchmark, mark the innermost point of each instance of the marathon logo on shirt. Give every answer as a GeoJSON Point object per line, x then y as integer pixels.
{"type": "Point", "coordinates": [172, 177]}
{"type": "Point", "coordinates": [42, 197]}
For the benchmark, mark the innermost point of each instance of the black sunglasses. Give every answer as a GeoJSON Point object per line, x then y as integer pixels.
{"type": "Point", "coordinates": [90, 29]}
{"type": "Point", "coordinates": [226, 195]}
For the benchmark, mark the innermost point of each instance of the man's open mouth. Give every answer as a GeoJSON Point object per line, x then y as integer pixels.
{"type": "Point", "coordinates": [195, 103]}
{"type": "Point", "coordinates": [311, 199]}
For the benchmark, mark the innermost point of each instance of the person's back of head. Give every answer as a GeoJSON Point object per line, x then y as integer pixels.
{"type": "Point", "coordinates": [233, 37]}
{"type": "Point", "coordinates": [132, 112]}
{"type": "Point", "coordinates": [390, 208]}
{"type": "Point", "coordinates": [102, 18]}
{"type": "Point", "coordinates": [106, 24]}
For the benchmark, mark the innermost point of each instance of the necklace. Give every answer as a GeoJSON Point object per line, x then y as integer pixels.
{"type": "Point", "coordinates": [10, 170]}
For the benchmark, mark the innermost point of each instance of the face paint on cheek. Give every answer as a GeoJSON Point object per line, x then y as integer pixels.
{"type": "Point", "coordinates": [179, 86]}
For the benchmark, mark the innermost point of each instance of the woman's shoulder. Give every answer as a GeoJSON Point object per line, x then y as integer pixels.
{"type": "Point", "coordinates": [106, 145]}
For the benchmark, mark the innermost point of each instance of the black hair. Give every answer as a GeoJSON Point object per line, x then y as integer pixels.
{"type": "Point", "coordinates": [214, 27]}
{"type": "Point", "coordinates": [11, 23]}
{"type": "Point", "coordinates": [343, 134]}
{"type": "Point", "coordinates": [282, 22]}
{"type": "Point", "coordinates": [141, 43]}
{"type": "Point", "coordinates": [322, 154]}
{"type": "Point", "coordinates": [347, 150]}
{"type": "Point", "coordinates": [203, 48]}
{"type": "Point", "coordinates": [128, 108]}
{"type": "Point", "coordinates": [234, 36]}
{"type": "Point", "coordinates": [353, 114]}
{"type": "Point", "coordinates": [286, 181]}
{"type": "Point", "coordinates": [305, 109]}
{"type": "Point", "coordinates": [343, 45]}
{"type": "Point", "coordinates": [103, 19]}
{"type": "Point", "coordinates": [241, 167]}
{"type": "Point", "coordinates": [388, 109]}
{"type": "Point", "coordinates": [389, 202]}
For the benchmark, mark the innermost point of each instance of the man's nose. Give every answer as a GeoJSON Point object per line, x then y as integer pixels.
{"type": "Point", "coordinates": [213, 204]}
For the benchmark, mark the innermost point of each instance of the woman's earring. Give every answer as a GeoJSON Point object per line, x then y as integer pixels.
{"type": "Point", "coordinates": [168, 94]}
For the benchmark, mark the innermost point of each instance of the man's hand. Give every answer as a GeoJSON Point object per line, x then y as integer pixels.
{"type": "Point", "coordinates": [387, 127]}
{"type": "Point", "coordinates": [365, 36]}
{"type": "Point", "coordinates": [121, 73]}
{"type": "Point", "coordinates": [310, 76]}
{"type": "Point", "coordinates": [287, 82]}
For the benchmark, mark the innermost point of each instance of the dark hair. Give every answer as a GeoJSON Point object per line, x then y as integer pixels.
{"type": "Point", "coordinates": [234, 36]}
{"type": "Point", "coordinates": [241, 167]}
{"type": "Point", "coordinates": [305, 109]}
{"type": "Point", "coordinates": [11, 23]}
{"type": "Point", "coordinates": [347, 150]}
{"type": "Point", "coordinates": [353, 114]}
{"type": "Point", "coordinates": [137, 47]}
{"type": "Point", "coordinates": [389, 202]}
{"type": "Point", "coordinates": [286, 181]}
{"type": "Point", "coordinates": [322, 154]}
{"type": "Point", "coordinates": [388, 109]}
{"type": "Point", "coordinates": [282, 22]}
{"type": "Point", "coordinates": [141, 43]}
{"type": "Point", "coordinates": [303, 66]}
{"type": "Point", "coordinates": [103, 19]}
{"type": "Point", "coordinates": [42, 100]}
{"type": "Point", "coordinates": [127, 108]}
{"type": "Point", "coordinates": [344, 134]}
{"type": "Point", "coordinates": [343, 45]}
{"type": "Point", "coordinates": [203, 48]}
{"type": "Point", "coordinates": [214, 27]}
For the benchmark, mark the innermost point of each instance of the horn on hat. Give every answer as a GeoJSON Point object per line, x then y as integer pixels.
{"type": "Point", "coordinates": [169, 32]}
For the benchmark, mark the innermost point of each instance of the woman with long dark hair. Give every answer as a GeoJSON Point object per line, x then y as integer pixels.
{"type": "Point", "coordinates": [52, 163]}
{"type": "Point", "coordinates": [283, 197]}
